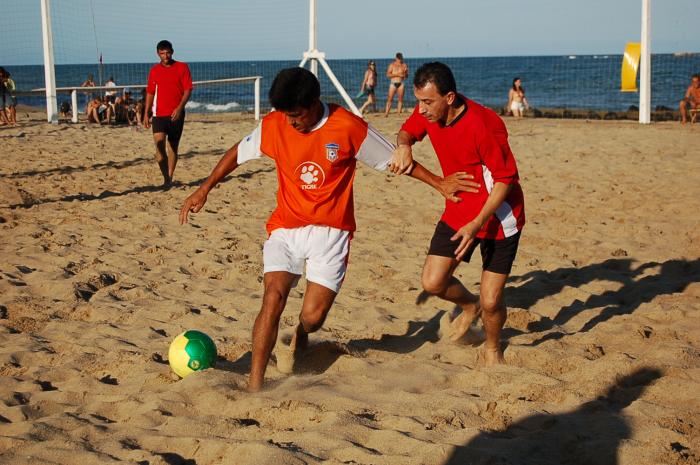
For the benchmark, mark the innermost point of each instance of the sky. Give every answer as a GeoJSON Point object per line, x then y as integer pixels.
{"type": "Point", "coordinates": [221, 30]}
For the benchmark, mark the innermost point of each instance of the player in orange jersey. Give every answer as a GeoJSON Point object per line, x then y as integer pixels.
{"type": "Point", "coordinates": [315, 147]}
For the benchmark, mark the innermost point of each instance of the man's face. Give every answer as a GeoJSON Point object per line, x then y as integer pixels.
{"type": "Point", "coordinates": [166, 56]}
{"type": "Point", "coordinates": [303, 119]}
{"type": "Point", "coordinates": [431, 104]}
{"type": "Point", "coordinates": [695, 82]}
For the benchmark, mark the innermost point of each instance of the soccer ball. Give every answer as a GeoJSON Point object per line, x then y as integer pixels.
{"type": "Point", "coordinates": [191, 351]}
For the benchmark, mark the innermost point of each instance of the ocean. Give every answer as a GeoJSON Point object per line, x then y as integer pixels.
{"type": "Point", "coordinates": [589, 82]}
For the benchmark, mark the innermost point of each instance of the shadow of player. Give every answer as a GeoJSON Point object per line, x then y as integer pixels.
{"type": "Point", "coordinates": [591, 434]}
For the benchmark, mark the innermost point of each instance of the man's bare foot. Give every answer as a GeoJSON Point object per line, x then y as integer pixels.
{"type": "Point", "coordinates": [254, 385]}
{"type": "Point", "coordinates": [300, 341]}
{"type": "Point", "coordinates": [288, 349]}
{"type": "Point", "coordinates": [492, 356]}
{"type": "Point", "coordinates": [463, 322]}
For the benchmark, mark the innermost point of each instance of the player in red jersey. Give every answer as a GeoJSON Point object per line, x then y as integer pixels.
{"type": "Point", "coordinates": [470, 138]}
{"type": "Point", "coordinates": [315, 147]}
{"type": "Point", "coordinates": [168, 90]}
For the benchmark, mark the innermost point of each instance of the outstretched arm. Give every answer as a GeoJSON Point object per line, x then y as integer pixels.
{"type": "Point", "coordinates": [196, 201]}
{"type": "Point", "coordinates": [447, 186]}
{"type": "Point", "coordinates": [403, 163]}
{"type": "Point", "coordinates": [402, 158]}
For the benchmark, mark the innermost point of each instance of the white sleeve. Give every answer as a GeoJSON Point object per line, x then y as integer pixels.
{"type": "Point", "coordinates": [375, 151]}
{"type": "Point", "coordinates": [249, 147]}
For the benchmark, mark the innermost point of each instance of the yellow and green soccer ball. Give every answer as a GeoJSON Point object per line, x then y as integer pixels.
{"type": "Point", "coordinates": [191, 351]}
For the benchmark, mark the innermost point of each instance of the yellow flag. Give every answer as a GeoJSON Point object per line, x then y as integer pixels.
{"type": "Point", "coordinates": [630, 64]}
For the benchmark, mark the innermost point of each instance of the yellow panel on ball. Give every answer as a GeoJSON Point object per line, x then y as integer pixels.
{"type": "Point", "coordinates": [178, 356]}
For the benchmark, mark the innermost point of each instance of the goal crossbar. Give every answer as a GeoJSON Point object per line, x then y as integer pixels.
{"type": "Point", "coordinates": [74, 90]}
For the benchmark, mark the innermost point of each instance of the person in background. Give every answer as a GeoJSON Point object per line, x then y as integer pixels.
{"type": "Point", "coordinates": [105, 110]}
{"type": "Point", "coordinates": [397, 72]}
{"type": "Point", "coordinates": [517, 103]}
{"type": "Point", "coordinates": [368, 86]}
{"type": "Point", "coordinates": [3, 98]}
{"type": "Point", "coordinates": [110, 94]}
{"type": "Point", "coordinates": [92, 110]}
{"type": "Point", "coordinates": [116, 110]}
{"type": "Point", "coordinates": [130, 105]}
{"type": "Point", "coordinates": [11, 99]}
{"type": "Point", "coordinates": [172, 82]}
{"type": "Point", "coordinates": [89, 96]}
{"type": "Point", "coordinates": [64, 109]}
{"type": "Point", "coordinates": [141, 111]}
{"type": "Point", "coordinates": [691, 100]}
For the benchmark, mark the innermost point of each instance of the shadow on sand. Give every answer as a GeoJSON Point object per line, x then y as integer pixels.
{"type": "Point", "coordinates": [591, 434]}
{"type": "Point", "coordinates": [135, 190]}
{"type": "Point", "coordinates": [673, 276]}
{"type": "Point", "coordinates": [118, 165]}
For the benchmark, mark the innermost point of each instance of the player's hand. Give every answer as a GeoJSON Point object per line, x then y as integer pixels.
{"type": "Point", "coordinates": [457, 182]}
{"type": "Point", "coordinates": [466, 233]}
{"type": "Point", "coordinates": [193, 204]}
{"type": "Point", "coordinates": [175, 115]}
{"type": "Point", "coordinates": [146, 122]}
{"type": "Point", "coordinates": [401, 159]}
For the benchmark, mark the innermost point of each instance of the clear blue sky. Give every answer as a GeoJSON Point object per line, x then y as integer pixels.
{"type": "Point", "coordinates": [214, 30]}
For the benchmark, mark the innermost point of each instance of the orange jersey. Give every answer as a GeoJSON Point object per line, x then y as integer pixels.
{"type": "Point", "coordinates": [315, 170]}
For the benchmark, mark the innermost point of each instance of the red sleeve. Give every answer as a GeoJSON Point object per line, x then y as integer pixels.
{"type": "Point", "coordinates": [151, 86]}
{"type": "Point", "coordinates": [186, 78]}
{"type": "Point", "coordinates": [416, 125]}
{"type": "Point", "coordinates": [494, 151]}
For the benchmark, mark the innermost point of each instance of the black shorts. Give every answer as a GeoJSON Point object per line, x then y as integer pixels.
{"type": "Point", "coordinates": [173, 129]}
{"type": "Point", "coordinates": [497, 256]}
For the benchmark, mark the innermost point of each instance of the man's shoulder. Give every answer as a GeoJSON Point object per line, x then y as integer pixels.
{"type": "Point", "coordinates": [341, 117]}
{"type": "Point", "coordinates": [485, 113]}
{"type": "Point", "coordinates": [181, 64]}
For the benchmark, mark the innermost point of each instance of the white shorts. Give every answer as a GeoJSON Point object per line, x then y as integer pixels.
{"type": "Point", "coordinates": [323, 249]}
{"type": "Point", "coordinates": [517, 106]}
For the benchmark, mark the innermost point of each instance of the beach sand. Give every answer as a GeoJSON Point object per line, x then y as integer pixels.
{"type": "Point", "coordinates": [97, 277]}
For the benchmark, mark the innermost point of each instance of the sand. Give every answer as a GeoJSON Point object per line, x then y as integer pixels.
{"type": "Point", "coordinates": [97, 277]}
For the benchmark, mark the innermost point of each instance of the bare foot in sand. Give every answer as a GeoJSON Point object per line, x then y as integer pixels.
{"type": "Point", "coordinates": [254, 386]}
{"type": "Point", "coordinates": [289, 348]}
{"type": "Point", "coordinates": [492, 356]}
{"type": "Point", "coordinates": [462, 325]}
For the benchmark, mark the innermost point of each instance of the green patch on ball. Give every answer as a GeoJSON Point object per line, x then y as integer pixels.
{"type": "Point", "coordinates": [191, 351]}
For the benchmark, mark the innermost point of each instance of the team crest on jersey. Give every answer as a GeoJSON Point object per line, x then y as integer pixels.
{"type": "Point", "coordinates": [311, 175]}
{"type": "Point", "coordinates": [332, 152]}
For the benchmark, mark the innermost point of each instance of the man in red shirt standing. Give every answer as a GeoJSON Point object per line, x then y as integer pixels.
{"type": "Point", "coordinates": [467, 138]}
{"type": "Point", "coordinates": [169, 87]}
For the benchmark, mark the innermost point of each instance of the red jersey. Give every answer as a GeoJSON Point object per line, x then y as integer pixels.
{"type": "Point", "coordinates": [315, 170]}
{"type": "Point", "coordinates": [168, 84]}
{"type": "Point", "coordinates": [476, 143]}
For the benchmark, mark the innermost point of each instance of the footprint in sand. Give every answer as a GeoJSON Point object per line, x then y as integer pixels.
{"type": "Point", "coordinates": [85, 291]}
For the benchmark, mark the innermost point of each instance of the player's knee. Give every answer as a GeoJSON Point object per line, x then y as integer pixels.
{"type": "Point", "coordinates": [490, 302]}
{"type": "Point", "coordinates": [274, 299]}
{"type": "Point", "coordinates": [312, 321]}
{"type": "Point", "coordinates": [434, 286]}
